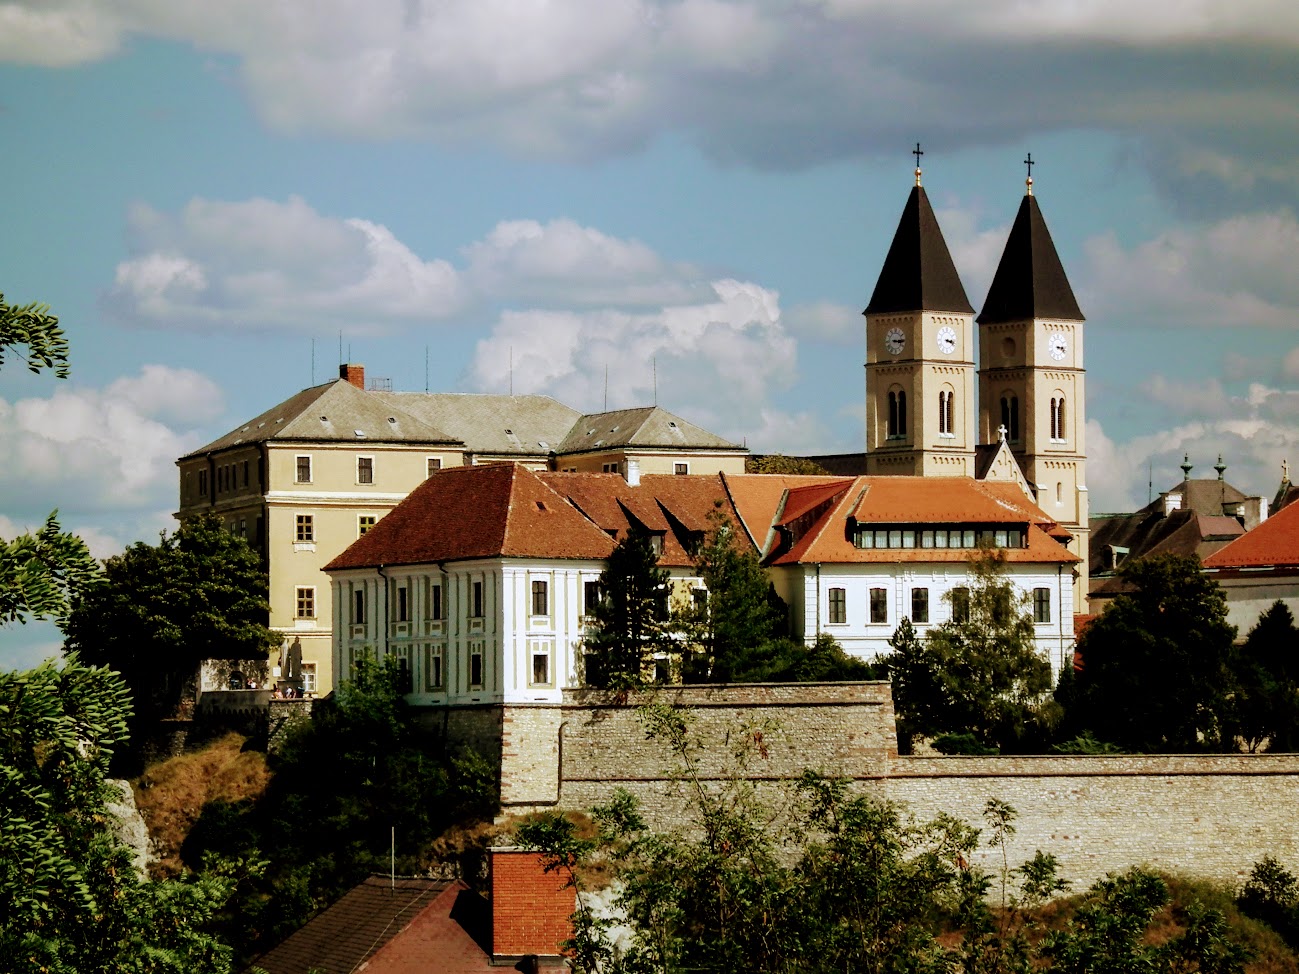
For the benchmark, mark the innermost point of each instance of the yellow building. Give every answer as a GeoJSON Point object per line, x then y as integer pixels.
{"type": "Point", "coordinates": [309, 476]}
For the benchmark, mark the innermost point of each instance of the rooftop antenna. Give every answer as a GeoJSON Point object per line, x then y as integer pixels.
{"type": "Point", "coordinates": [340, 346]}
{"type": "Point", "coordinates": [313, 361]}
{"type": "Point", "coordinates": [655, 361]}
{"type": "Point", "coordinates": [1150, 481]}
{"type": "Point", "coordinates": [425, 368]}
{"type": "Point", "coordinates": [606, 388]}
{"type": "Point", "coordinates": [511, 370]}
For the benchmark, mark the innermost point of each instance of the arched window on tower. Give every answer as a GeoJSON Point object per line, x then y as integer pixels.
{"type": "Point", "coordinates": [946, 412]}
{"type": "Point", "coordinates": [897, 414]}
{"type": "Point", "coordinates": [1057, 418]}
{"type": "Point", "coordinates": [1010, 416]}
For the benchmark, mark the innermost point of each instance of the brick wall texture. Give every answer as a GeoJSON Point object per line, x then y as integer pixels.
{"type": "Point", "coordinates": [530, 907]}
{"type": "Point", "coordinates": [1210, 815]}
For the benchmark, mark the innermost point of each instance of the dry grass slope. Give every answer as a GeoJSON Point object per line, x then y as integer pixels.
{"type": "Point", "coordinates": [171, 795]}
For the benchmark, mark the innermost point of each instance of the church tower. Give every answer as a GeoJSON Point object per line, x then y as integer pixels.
{"type": "Point", "coordinates": [1031, 386]}
{"type": "Point", "coordinates": [919, 355]}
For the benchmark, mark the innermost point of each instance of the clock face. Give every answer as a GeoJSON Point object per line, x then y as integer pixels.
{"type": "Point", "coordinates": [1059, 346]}
{"type": "Point", "coordinates": [946, 340]}
{"type": "Point", "coordinates": [895, 341]}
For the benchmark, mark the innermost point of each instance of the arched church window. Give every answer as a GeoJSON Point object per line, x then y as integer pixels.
{"type": "Point", "coordinates": [946, 412]}
{"type": "Point", "coordinates": [897, 414]}
{"type": "Point", "coordinates": [1059, 492]}
{"type": "Point", "coordinates": [1010, 416]}
{"type": "Point", "coordinates": [1057, 418]}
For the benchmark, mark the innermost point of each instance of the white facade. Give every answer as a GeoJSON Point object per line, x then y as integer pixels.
{"type": "Point", "coordinates": [468, 632]}
{"type": "Point", "coordinates": [862, 605]}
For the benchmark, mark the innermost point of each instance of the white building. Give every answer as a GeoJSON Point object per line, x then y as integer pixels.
{"type": "Point", "coordinates": [479, 581]}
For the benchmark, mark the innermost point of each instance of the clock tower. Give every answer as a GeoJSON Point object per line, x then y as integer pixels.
{"type": "Point", "coordinates": [919, 355]}
{"type": "Point", "coordinates": [1031, 380]}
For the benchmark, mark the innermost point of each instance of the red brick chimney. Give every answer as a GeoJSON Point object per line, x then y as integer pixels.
{"type": "Point", "coordinates": [354, 374]}
{"type": "Point", "coordinates": [531, 909]}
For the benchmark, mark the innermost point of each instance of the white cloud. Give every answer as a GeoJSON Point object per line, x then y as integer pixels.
{"type": "Point", "coordinates": [1232, 273]}
{"type": "Point", "coordinates": [1253, 433]}
{"type": "Point", "coordinates": [717, 361]}
{"type": "Point", "coordinates": [827, 322]}
{"type": "Point", "coordinates": [774, 84]}
{"type": "Point", "coordinates": [263, 264]}
{"type": "Point", "coordinates": [87, 450]}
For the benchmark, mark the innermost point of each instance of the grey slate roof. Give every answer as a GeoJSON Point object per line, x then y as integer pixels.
{"type": "Point", "coordinates": [918, 273]}
{"type": "Point", "coordinates": [334, 411]}
{"type": "Point", "coordinates": [519, 425]}
{"type": "Point", "coordinates": [1030, 281]}
{"type": "Point", "coordinates": [646, 426]}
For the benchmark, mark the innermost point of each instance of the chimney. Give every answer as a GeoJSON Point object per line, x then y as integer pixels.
{"type": "Point", "coordinates": [355, 374]}
{"type": "Point", "coordinates": [531, 909]}
{"type": "Point", "coordinates": [633, 472]}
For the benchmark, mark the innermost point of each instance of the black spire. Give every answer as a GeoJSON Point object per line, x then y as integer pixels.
{"type": "Point", "coordinates": [918, 272]}
{"type": "Point", "coordinates": [1030, 281]}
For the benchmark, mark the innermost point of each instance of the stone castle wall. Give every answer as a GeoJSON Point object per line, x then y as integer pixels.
{"type": "Point", "coordinates": [1210, 815]}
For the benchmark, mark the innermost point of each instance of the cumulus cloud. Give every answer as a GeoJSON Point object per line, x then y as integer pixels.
{"type": "Point", "coordinates": [93, 450]}
{"type": "Point", "coordinates": [828, 322]}
{"type": "Point", "coordinates": [716, 360]}
{"type": "Point", "coordinates": [1208, 86]}
{"type": "Point", "coordinates": [264, 264]}
{"type": "Point", "coordinates": [1253, 432]}
{"type": "Point", "coordinates": [1234, 273]}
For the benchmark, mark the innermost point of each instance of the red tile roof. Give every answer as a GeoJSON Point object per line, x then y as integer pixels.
{"type": "Point", "coordinates": [341, 937]}
{"type": "Point", "coordinates": [1274, 542]}
{"type": "Point", "coordinates": [501, 510]}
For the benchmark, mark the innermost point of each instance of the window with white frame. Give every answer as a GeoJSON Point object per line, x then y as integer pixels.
{"type": "Point", "coordinates": [435, 601]}
{"type": "Point", "coordinates": [1041, 605]}
{"type": "Point", "coordinates": [879, 605]}
{"type": "Point", "coordinates": [358, 607]}
{"type": "Point", "coordinates": [365, 470]}
{"type": "Point", "coordinates": [434, 465]}
{"type": "Point", "coordinates": [540, 597]}
{"type": "Point", "coordinates": [920, 605]}
{"type": "Point", "coordinates": [403, 604]}
{"type": "Point", "coordinates": [838, 614]}
{"type": "Point", "coordinates": [961, 604]}
{"type": "Point", "coordinates": [477, 604]}
{"type": "Point", "coordinates": [304, 529]}
{"type": "Point", "coordinates": [590, 596]}
{"type": "Point", "coordinates": [681, 467]}
{"type": "Point", "coordinates": [433, 675]}
{"type": "Point", "coordinates": [309, 678]}
{"type": "Point", "coordinates": [306, 602]}
{"type": "Point", "coordinates": [476, 666]}
{"type": "Point", "coordinates": [540, 674]}
{"type": "Point", "coordinates": [304, 470]}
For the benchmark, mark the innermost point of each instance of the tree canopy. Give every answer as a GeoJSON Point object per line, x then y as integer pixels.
{"type": "Point", "coordinates": [1156, 665]}
{"type": "Point", "coordinates": [837, 880]}
{"type": "Point", "coordinates": [627, 625]}
{"type": "Point", "coordinates": [200, 593]}
{"type": "Point", "coordinates": [39, 572]}
{"type": "Point", "coordinates": [733, 628]}
{"type": "Point", "coordinates": [70, 900]}
{"type": "Point", "coordinates": [1265, 704]}
{"type": "Point", "coordinates": [779, 463]}
{"type": "Point", "coordinates": [979, 673]}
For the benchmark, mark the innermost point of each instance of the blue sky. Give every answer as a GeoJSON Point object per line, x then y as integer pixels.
{"type": "Point", "coordinates": [200, 191]}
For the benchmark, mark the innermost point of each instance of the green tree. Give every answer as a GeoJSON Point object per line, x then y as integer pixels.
{"type": "Point", "coordinates": [1266, 668]}
{"type": "Point", "coordinates": [200, 593]}
{"type": "Point", "coordinates": [980, 672]}
{"type": "Point", "coordinates": [364, 770]}
{"type": "Point", "coordinates": [70, 900]}
{"type": "Point", "coordinates": [39, 571]}
{"type": "Point", "coordinates": [1156, 672]}
{"type": "Point", "coordinates": [733, 628]}
{"type": "Point", "coordinates": [779, 463]}
{"type": "Point", "coordinates": [628, 626]}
